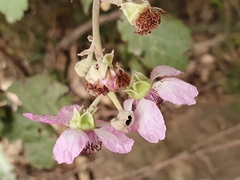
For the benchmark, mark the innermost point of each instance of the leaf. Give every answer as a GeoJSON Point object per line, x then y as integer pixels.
{"type": "Point", "coordinates": [39, 95]}
{"type": "Point", "coordinates": [164, 46]}
{"type": "Point", "coordinates": [42, 147]}
{"type": "Point", "coordinates": [13, 9]}
{"type": "Point", "coordinates": [129, 60]}
{"type": "Point", "coordinates": [86, 4]}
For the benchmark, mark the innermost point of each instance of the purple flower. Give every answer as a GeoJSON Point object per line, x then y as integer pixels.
{"type": "Point", "coordinates": [148, 95]}
{"type": "Point", "coordinates": [74, 141]}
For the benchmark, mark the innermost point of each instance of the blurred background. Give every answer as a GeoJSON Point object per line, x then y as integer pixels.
{"type": "Point", "coordinates": [39, 42]}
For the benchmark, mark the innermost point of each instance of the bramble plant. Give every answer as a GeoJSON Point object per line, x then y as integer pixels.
{"type": "Point", "coordinates": [141, 111]}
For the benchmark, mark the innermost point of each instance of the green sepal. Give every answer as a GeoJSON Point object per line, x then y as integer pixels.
{"type": "Point", "coordinates": [139, 86]}
{"type": "Point", "coordinates": [82, 120]}
{"type": "Point", "coordinates": [82, 67]}
{"type": "Point", "coordinates": [132, 10]}
{"type": "Point", "coordinates": [99, 69]}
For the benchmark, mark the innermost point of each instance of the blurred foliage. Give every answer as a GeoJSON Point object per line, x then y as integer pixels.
{"type": "Point", "coordinates": [86, 5]}
{"type": "Point", "coordinates": [129, 60]}
{"type": "Point", "coordinates": [39, 95]}
{"type": "Point", "coordinates": [41, 28]}
{"type": "Point", "coordinates": [233, 81]}
{"type": "Point", "coordinates": [164, 46]}
{"type": "Point", "coordinates": [6, 168]}
{"type": "Point", "coordinates": [13, 10]}
{"type": "Point", "coordinates": [218, 3]}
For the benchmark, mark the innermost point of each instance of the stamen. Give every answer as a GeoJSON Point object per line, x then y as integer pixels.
{"type": "Point", "coordinates": [153, 96]}
{"type": "Point", "coordinates": [93, 145]}
{"type": "Point", "coordinates": [147, 21]}
{"type": "Point", "coordinates": [96, 89]}
{"type": "Point", "coordinates": [123, 78]}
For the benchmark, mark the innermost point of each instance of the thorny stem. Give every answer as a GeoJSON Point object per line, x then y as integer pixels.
{"type": "Point", "coordinates": [95, 26]}
{"type": "Point", "coordinates": [115, 101]}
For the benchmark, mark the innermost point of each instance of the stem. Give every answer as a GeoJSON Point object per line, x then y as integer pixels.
{"type": "Point", "coordinates": [115, 101]}
{"type": "Point", "coordinates": [95, 26]}
{"type": "Point", "coordinates": [115, 2]}
{"type": "Point", "coordinates": [96, 102]}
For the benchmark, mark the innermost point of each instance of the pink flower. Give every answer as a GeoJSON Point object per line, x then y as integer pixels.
{"type": "Point", "coordinates": [74, 141]}
{"type": "Point", "coordinates": [172, 89]}
{"type": "Point", "coordinates": [149, 121]}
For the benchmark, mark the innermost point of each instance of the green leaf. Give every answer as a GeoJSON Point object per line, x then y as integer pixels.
{"type": "Point", "coordinates": [39, 95]}
{"type": "Point", "coordinates": [86, 4]}
{"type": "Point", "coordinates": [13, 9]}
{"type": "Point", "coordinates": [42, 147]}
{"type": "Point", "coordinates": [164, 46]}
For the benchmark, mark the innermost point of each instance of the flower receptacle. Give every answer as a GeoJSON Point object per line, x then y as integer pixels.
{"type": "Point", "coordinates": [139, 86]}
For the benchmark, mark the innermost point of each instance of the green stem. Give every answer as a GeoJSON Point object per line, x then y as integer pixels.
{"type": "Point", "coordinates": [96, 102]}
{"type": "Point", "coordinates": [95, 26]}
{"type": "Point", "coordinates": [115, 2]}
{"type": "Point", "coordinates": [115, 101]}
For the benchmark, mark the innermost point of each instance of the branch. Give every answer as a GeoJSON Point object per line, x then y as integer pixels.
{"type": "Point", "coordinates": [192, 153]}
{"type": "Point", "coordinates": [84, 28]}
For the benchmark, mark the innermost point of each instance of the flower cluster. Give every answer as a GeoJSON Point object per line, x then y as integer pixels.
{"type": "Point", "coordinates": [140, 112]}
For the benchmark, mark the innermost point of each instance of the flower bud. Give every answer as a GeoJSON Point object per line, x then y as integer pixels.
{"type": "Point", "coordinates": [82, 67]}
{"type": "Point", "coordinates": [98, 70]}
{"type": "Point", "coordinates": [139, 86]}
{"type": "Point", "coordinates": [123, 121]}
{"type": "Point", "coordinates": [82, 120]}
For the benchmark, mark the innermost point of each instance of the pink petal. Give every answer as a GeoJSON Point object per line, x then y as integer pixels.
{"type": "Point", "coordinates": [69, 145]}
{"type": "Point", "coordinates": [116, 141]}
{"type": "Point", "coordinates": [151, 123]}
{"type": "Point", "coordinates": [102, 123]}
{"type": "Point", "coordinates": [64, 116]}
{"type": "Point", "coordinates": [164, 71]}
{"type": "Point", "coordinates": [49, 119]}
{"type": "Point", "coordinates": [128, 104]}
{"type": "Point", "coordinates": [176, 91]}
{"type": "Point", "coordinates": [66, 113]}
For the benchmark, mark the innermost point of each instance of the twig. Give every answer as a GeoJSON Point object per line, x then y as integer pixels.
{"type": "Point", "coordinates": [216, 136]}
{"type": "Point", "coordinates": [151, 169]}
{"type": "Point", "coordinates": [84, 28]}
{"type": "Point", "coordinates": [80, 168]}
{"type": "Point", "coordinates": [208, 162]}
{"type": "Point", "coordinates": [203, 47]}
{"type": "Point", "coordinates": [235, 5]}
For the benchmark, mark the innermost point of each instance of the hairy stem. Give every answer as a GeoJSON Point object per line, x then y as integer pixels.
{"type": "Point", "coordinates": [115, 2]}
{"type": "Point", "coordinates": [96, 102]}
{"type": "Point", "coordinates": [95, 26]}
{"type": "Point", "coordinates": [115, 101]}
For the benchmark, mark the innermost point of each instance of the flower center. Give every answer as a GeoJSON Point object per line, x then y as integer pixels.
{"type": "Point", "coordinates": [93, 145]}
{"type": "Point", "coordinates": [153, 96]}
